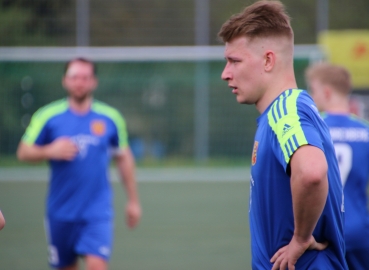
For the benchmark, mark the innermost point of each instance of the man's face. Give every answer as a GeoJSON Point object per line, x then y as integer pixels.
{"type": "Point", "coordinates": [317, 91]}
{"type": "Point", "coordinates": [79, 81]}
{"type": "Point", "coordinates": [244, 69]}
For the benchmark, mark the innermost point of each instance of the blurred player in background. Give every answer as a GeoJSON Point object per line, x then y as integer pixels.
{"type": "Point", "coordinates": [2, 221]}
{"type": "Point", "coordinates": [296, 200]}
{"type": "Point", "coordinates": [330, 87]}
{"type": "Point", "coordinates": [78, 136]}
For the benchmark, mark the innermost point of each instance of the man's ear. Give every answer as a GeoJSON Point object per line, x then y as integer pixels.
{"type": "Point", "coordinates": [63, 82]}
{"type": "Point", "coordinates": [95, 83]}
{"type": "Point", "coordinates": [269, 60]}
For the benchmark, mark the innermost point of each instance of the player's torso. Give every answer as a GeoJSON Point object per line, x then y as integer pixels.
{"type": "Point", "coordinates": [90, 132]}
{"type": "Point", "coordinates": [276, 139]}
{"type": "Point", "coordinates": [270, 206]}
{"type": "Point", "coordinates": [79, 189]}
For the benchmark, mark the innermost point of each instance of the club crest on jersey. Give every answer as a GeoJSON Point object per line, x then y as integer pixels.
{"type": "Point", "coordinates": [254, 153]}
{"type": "Point", "coordinates": [98, 127]}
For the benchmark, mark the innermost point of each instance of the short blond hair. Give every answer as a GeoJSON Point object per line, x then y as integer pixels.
{"type": "Point", "coordinates": [335, 76]}
{"type": "Point", "coordinates": [261, 19]}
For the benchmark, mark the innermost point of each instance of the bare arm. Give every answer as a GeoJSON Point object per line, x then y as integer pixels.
{"type": "Point", "coordinates": [126, 167]}
{"type": "Point", "coordinates": [60, 149]}
{"type": "Point", "coordinates": [309, 187]}
{"type": "Point", "coordinates": [2, 221]}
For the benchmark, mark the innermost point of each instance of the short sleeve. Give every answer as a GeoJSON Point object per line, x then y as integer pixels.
{"type": "Point", "coordinates": [36, 131]}
{"type": "Point", "coordinates": [121, 137]}
{"type": "Point", "coordinates": [292, 123]}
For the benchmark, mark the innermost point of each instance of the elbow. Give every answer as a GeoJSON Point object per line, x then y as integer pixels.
{"type": "Point", "coordinates": [20, 155]}
{"type": "Point", "coordinates": [2, 222]}
{"type": "Point", "coordinates": [29, 153]}
{"type": "Point", "coordinates": [23, 152]}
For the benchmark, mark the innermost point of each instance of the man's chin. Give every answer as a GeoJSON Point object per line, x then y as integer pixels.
{"type": "Point", "coordinates": [243, 101]}
{"type": "Point", "coordinates": [80, 98]}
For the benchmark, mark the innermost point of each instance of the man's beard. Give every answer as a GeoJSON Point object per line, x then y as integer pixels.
{"type": "Point", "coordinates": [82, 98]}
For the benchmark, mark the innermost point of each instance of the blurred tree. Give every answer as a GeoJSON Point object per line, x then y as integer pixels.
{"type": "Point", "coordinates": [142, 22]}
{"type": "Point", "coordinates": [12, 26]}
{"type": "Point", "coordinates": [349, 14]}
{"type": "Point", "coordinates": [36, 22]}
{"type": "Point", "coordinates": [152, 22]}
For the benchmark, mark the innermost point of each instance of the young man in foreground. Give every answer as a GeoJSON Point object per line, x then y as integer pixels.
{"type": "Point", "coordinates": [296, 201]}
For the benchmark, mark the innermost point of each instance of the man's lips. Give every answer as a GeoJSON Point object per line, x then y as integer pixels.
{"type": "Point", "coordinates": [234, 89]}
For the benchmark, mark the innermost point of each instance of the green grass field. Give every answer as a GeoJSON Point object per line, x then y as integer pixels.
{"type": "Point", "coordinates": [185, 225]}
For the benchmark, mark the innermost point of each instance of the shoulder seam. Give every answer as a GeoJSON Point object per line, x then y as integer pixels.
{"type": "Point", "coordinates": [41, 117]}
{"type": "Point", "coordinates": [45, 109]}
{"type": "Point", "coordinates": [279, 107]}
{"type": "Point", "coordinates": [110, 110]}
{"type": "Point", "coordinates": [360, 120]}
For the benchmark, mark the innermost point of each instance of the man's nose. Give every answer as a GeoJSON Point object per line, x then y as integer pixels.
{"type": "Point", "coordinates": [226, 75]}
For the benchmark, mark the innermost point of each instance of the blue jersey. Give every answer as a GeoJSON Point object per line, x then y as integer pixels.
{"type": "Point", "coordinates": [290, 121]}
{"type": "Point", "coordinates": [79, 189]}
{"type": "Point", "coordinates": [350, 136]}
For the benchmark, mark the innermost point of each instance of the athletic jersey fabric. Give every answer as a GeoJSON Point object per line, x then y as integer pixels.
{"type": "Point", "coordinates": [350, 136]}
{"type": "Point", "coordinates": [79, 189]}
{"type": "Point", "coordinates": [291, 121]}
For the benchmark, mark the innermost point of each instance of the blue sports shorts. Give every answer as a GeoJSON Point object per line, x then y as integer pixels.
{"type": "Point", "coordinates": [69, 240]}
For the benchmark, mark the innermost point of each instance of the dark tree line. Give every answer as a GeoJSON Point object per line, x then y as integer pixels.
{"type": "Point", "coordinates": [151, 22]}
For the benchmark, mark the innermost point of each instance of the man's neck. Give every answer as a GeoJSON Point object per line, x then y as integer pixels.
{"type": "Point", "coordinates": [80, 106]}
{"type": "Point", "coordinates": [338, 110]}
{"type": "Point", "coordinates": [273, 92]}
{"type": "Point", "coordinates": [338, 105]}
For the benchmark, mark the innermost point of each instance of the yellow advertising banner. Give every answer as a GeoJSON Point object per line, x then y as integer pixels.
{"type": "Point", "coordinates": [350, 49]}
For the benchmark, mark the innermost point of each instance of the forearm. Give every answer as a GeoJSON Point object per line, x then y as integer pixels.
{"type": "Point", "coordinates": [36, 153]}
{"type": "Point", "coordinates": [126, 168]}
{"type": "Point", "coordinates": [309, 198]}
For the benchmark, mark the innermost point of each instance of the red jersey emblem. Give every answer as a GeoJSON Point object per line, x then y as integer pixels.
{"type": "Point", "coordinates": [98, 127]}
{"type": "Point", "coordinates": [254, 153]}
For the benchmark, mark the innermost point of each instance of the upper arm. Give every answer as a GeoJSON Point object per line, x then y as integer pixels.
{"type": "Point", "coordinates": [308, 163]}
{"type": "Point", "coordinates": [36, 132]}
{"type": "Point", "coordinates": [28, 152]}
{"type": "Point", "coordinates": [124, 158]}
{"type": "Point", "coordinates": [293, 128]}
{"type": "Point", "coordinates": [2, 221]}
{"type": "Point", "coordinates": [22, 147]}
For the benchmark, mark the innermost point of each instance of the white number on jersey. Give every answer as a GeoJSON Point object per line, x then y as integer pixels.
{"type": "Point", "coordinates": [344, 157]}
{"type": "Point", "coordinates": [53, 255]}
